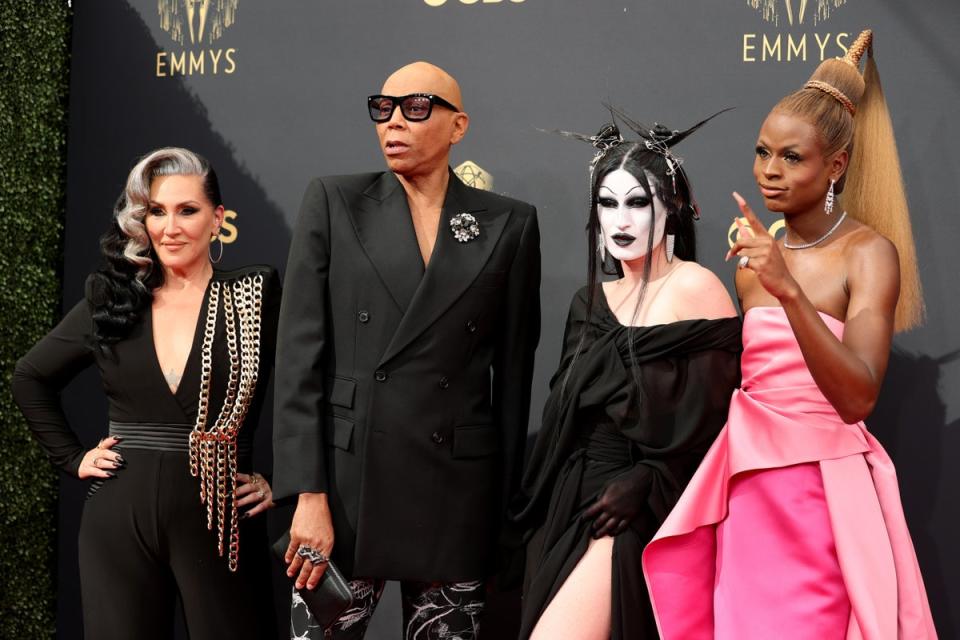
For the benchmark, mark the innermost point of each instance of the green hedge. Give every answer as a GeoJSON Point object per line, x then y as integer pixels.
{"type": "Point", "coordinates": [34, 67]}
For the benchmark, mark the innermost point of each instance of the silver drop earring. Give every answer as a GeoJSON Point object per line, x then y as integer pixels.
{"type": "Point", "coordinates": [828, 203]}
{"type": "Point", "coordinates": [670, 230]}
{"type": "Point", "coordinates": [601, 248]}
{"type": "Point", "coordinates": [210, 249]}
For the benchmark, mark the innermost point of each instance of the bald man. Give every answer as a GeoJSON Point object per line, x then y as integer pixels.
{"type": "Point", "coordinates": [409, 322]}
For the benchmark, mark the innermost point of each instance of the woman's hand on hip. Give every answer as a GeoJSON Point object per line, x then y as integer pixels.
{"type": "Point", "coordinates": [101, 461]}
{"type": "Point", "coordinates": [253, 489]}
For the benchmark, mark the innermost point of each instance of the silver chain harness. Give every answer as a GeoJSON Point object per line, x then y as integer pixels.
{"type": "Point", "coordinates": [213, 451]}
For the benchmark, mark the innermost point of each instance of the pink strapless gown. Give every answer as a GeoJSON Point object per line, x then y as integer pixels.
{"type": "Point", "coordinates": [792, 527]}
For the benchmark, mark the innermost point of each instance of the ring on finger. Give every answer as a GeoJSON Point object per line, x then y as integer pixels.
{"type": "Point", "coordinates": [95, 461]}
{"type": "Point", "coordinates": [311, 555]}
{"type": "Point", "coordinates": [743, 262]}
{"type": "Point", "coordinates": [260, 494]}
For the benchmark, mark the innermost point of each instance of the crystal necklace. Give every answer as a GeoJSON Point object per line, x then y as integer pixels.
{"type": "Point", "coordinates": [807, 245]}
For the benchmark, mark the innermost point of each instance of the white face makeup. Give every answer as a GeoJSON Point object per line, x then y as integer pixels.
{"type": "Point", "coordinates": [623, 207]}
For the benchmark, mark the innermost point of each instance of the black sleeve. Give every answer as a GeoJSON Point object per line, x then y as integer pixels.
{"type": "Point", "coordinates": [683, 408]}
{"type": "Point", "coordinates": [572, 330]}
{"type": "Point", "coordinates": [541, 464]}
{"type": "Point", "coordinates": [40, 375]}
{"type": "Point", "coordinates": [298, 439]}
{"type": "Point", "coordinates": [518, 335]}
{"type": "Point", "coordinates": [270, 317]}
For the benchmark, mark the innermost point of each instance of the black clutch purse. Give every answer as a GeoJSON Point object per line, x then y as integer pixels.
{"type": "Point", "coordinates": [331, 597]}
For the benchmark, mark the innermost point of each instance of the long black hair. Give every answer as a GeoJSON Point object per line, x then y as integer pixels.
{"type": "Point", "coordinates": [651, 163]}
{"type": "Point", "coordinates": [120, 290]}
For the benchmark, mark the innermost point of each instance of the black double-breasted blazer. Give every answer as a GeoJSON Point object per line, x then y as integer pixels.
{"type": "Point", "coordinates": [404, 392]}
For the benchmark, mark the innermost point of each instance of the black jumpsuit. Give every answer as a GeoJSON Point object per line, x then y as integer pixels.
{"type": "Point", "coordinates": [143, 534]}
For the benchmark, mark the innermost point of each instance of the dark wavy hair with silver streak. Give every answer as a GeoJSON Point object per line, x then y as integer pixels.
{"type": "Point", "coordinates": [120, 290]}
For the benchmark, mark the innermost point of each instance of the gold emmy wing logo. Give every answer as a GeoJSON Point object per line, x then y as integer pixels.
{"type": "Point", "coordinates": [733, 233]}
{"type": "Point", "coordinates": [473, 175]}
{"type": "Point", "coordinates": [202, 17]}
{"type": "Point", "coordinates": [796, 44]}
{"type": "Point", "coordinates": [440, 3]}
{"type": "Point", "coordinates": [795, 10]}
{"type": "Point", "coordinates": [204, 21]}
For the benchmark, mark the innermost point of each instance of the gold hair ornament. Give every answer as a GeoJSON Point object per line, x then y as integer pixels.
{"type": "Point", "coordinates": [833, 91]}
{"type": "Point", "coordinates": [863, 44]}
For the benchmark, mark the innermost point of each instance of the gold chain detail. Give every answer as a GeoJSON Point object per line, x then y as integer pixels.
{"type": "Point", "coordinates": [213, 451]}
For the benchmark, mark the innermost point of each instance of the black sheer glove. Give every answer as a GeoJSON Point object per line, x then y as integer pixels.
{"type": "Point", "coordinates": [620, 502]}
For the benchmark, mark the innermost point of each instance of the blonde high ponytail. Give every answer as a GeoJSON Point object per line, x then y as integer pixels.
{"type": "Point", "coordinates": [875, 194]}
{"type": "Point", "coordinates": [851, 113]}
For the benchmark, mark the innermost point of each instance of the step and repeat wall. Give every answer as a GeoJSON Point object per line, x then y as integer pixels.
{"type": "Point", "coordinates": [273, 93]}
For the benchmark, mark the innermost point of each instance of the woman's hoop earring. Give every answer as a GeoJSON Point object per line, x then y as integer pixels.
{"type": "Point", "coordinates": [828, 203]}
{"type": "Point", "coordinates": [210, 250]}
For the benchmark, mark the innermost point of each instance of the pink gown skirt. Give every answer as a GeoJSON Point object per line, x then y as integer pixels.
{"type": "Point", "coordinates": [792, 526]}
{"type": "Point", "coordinates": [778, 575]}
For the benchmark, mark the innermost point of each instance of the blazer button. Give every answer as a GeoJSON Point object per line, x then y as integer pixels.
{"type": "Point", "coordinates": [363, 317]}
{"type": "Point", "coordinates": [380, 375]}
{"type": "Point", "coordinates": [437, 437]}
{"type": "Point", "coordinates": [471, 326]}
{"type": "Point", "coordinates": [444, 382]}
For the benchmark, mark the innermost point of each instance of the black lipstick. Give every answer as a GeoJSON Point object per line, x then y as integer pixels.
{"type": "Point", "coordinates": [623, 239]}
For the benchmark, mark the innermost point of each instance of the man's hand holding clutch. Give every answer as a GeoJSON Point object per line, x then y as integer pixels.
{"type": "Point", "coordinates": [311, 540]}
{"type": "Point", "coordinates": [306, 550]}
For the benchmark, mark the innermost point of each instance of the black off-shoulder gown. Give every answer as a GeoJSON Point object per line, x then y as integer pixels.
{"type": "Point", "coordinates": [598, 424]}
{"type": "Point", "coordinates": [143, 535]}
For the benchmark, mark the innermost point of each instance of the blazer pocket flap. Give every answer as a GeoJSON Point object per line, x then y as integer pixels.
{"type": "Point", "coordinates": [342, 391]}
{"type": "Point", "coordinates": [474, 441]}
{"type": "Point", "coordinates": [340, 432]}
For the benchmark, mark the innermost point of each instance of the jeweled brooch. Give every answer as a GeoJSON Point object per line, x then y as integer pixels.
{"type": "Point", "coordinates": [465, 227]}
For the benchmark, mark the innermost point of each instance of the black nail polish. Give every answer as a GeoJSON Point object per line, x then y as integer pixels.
{"type": "Point", "coordinates": [111, 474]}
{"type": "Point", "coordinates": [118, 438]}
{"type": "Point", "coordinates": [121, 460]}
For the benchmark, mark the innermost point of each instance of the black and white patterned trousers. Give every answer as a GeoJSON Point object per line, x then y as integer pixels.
{"type": "Point", "coordinates": [431, 611]}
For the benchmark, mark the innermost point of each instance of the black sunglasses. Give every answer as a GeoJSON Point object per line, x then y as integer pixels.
{"type": "Point", "coordinates": [415, 107]}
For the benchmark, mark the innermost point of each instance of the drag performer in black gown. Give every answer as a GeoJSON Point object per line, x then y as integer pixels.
{"type": "Point", "coordinates": [648, 366]}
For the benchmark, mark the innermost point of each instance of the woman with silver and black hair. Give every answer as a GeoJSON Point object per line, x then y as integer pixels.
{"type": "Point", "coordinates": [183, 351]}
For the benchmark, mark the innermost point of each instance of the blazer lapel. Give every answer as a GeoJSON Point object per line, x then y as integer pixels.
{"type": "Point", "coordinates": [381, 218]}
{"type": "Point", "coordinates": [453, 265]}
